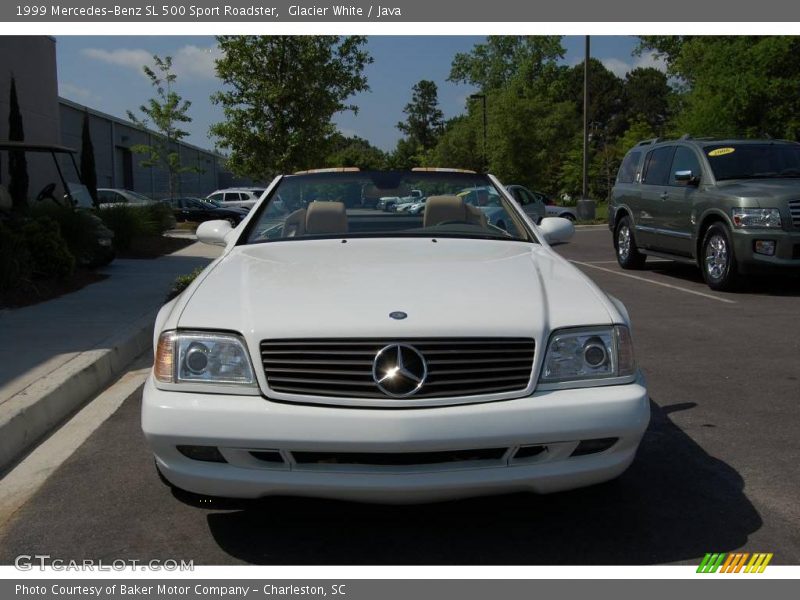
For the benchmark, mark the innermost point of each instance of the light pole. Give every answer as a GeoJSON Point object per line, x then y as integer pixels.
{"type": "Point", "coordinates": [482, 98]}
{"type": "Point", "coordinates": [585, 207]}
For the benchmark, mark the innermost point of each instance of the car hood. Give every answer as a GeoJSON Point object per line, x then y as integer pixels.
{"type": "Point", "coordinates": [773, 189]}
{"type": "Point", "coordinates": [448, 287]}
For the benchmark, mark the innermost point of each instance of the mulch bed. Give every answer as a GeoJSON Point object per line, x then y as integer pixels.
{"type": "Point", "coordinates": [48, 289]}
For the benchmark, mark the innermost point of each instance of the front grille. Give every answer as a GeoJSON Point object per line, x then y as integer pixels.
{"type": "Point", "coordinates": [343, 367]}
{"type": "Point", "coordinates": [794, 211]}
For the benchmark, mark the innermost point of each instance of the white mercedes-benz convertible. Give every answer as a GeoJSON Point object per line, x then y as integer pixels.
{"type": "Point", "coordinates": [337, 351]}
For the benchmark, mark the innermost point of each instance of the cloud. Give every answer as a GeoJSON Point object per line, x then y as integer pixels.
{"type": "Point", "coordinates": [195, 61]}
{"type": "Point", "coordinates": [121, 57]}
{"type": "Point", "coordinates": [192, 62]}
{"type": "Point", "coordinates": [74, 92]}
{"type": "Point", "coordinates": [620, 67]}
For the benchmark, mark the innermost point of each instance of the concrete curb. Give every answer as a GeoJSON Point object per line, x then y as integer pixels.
{"type": "Point", "coordinates": [28, 416]}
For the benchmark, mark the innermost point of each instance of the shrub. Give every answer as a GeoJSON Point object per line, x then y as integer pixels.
{"type": "Point", "coordinates": [182, 282]}
{"type": "Point", "coordinates": [131, 222]}
{"type": "Point", "coordinates": [78, 227]}
{"type": "Point", "coordinates": [127, 223]}
{"type": "Point", "coordinates": [50, 256]}
{"type": "Point", "coordinates": [15, 261]}
{"type": "Point", "coordinates": [161, 214]}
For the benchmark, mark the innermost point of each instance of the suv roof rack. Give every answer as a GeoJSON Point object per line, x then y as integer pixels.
{"type": "Point", "coordinates": [650, 142]}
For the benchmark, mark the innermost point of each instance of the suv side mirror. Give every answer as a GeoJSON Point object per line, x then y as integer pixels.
{"type": "Point", "coordinates": [687, 177]}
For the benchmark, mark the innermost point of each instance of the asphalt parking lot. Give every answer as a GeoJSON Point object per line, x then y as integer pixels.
{"type": "Point", "coordinates": [717, 470]}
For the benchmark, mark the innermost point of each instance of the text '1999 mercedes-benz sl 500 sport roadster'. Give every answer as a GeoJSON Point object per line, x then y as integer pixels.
{"type": "Point", "coordinates": [339, 351]}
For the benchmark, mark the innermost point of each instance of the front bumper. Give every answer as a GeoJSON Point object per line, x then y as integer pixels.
{"type": "Point", "coordinates": [787, 250]}
{"type": "Point", "coordinates": [237, 425]}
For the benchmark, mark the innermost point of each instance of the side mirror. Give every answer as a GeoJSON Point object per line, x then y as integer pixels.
{"type": "Point", "coordinates": [687, 177]}
{"type": "Point", "coordinates": [557, 230]}
{"type": "Point", "coordinates": [214, 232]}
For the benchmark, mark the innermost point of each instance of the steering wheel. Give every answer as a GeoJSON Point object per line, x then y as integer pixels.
{"type": "Point", "coordinates": [47, 193]}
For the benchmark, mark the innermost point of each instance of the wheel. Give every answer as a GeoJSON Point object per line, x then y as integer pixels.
{"type": "Point", "coordinates": [718, 260]}
{"type": "Point", "coordinates": [628, 255]}
{"type": "Point", "coordinates": [568, 216]}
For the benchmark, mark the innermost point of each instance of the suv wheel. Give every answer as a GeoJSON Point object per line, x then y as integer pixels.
{"type": "Point", "coordinates": [718, 260]}
{"type": "Point", "coordinates": [628, 255]}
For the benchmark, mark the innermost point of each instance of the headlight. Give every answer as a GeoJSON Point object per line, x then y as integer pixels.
{"type": "Point", "coordinates": [757, 217]}
{"type": "Point", "coordinates": [575, 355]}
{"type": "Point", "coordinates": [196, 357]}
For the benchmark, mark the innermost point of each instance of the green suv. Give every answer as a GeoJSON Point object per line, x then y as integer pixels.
{"type": "Point", "coordinates": [731, 207]}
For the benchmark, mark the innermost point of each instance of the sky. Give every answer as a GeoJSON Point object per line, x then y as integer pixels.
{"type": "Point", "coordinates": [105, 73]}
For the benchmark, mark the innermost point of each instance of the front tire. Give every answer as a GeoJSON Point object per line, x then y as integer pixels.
{"type": "Point", "coordinates": [718, 261]}
{"type": "Point", "coordinates": [628, 255]}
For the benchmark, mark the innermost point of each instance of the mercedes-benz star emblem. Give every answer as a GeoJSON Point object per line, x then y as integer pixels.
{"type": "Point", "coordinates": [399, 370]}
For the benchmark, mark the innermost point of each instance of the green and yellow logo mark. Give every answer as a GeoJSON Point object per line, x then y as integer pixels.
{"type": "Point", "coordinates": [735, 562]}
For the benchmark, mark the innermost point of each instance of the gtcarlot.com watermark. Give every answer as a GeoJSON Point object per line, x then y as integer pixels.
{"type": "Point", "coordinates": [29, 562]}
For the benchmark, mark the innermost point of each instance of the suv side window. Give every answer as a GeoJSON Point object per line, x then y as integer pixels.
{"type": "Point", "coordinates": [685, 160]}
{"type": "Point", "coordinates": [524, 197]}
{"type": "Point", "coordinates": [217, 197]}
{"type": "Point", "coordinates": [232, 196]}
{"type": "Point", "coordinates": [627, 170]}
{"type": "Point", "coordinates": [656, 166]}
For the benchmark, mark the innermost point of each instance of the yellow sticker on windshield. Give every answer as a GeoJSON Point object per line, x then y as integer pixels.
{"type": "Point", "coordinates": [721, 151]}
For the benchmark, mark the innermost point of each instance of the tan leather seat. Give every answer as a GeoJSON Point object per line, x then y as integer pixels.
{"type": "Point", "coordinates": [326, 218]}
{"type": "Point", "coordinates": [443, 209]}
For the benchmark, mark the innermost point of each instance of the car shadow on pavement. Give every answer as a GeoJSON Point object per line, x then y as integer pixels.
{"type": "Point", "coordinates": [675, 503]}
{"type": "Point", "coordinates": [762, 284]}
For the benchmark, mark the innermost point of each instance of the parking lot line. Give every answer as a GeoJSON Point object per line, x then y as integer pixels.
{"type": "Point", "coordinates": [661, 283]}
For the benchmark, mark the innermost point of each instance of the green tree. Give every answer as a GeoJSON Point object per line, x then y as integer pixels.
{"type": "Point", "coordinates": [733, 85]}
{"type": "Point", "coordinates": [505, 59]}
{"type": "Point", "coordinates": [17, 162]}
{"type": "Point", "coordinates": [460, 145]}
{"type": "Point", "coordinates": [424, 119]}
{"type": "Point", "coordinates": [407, 154]}
{"type": "Point", "coordinates": [606, 99]}
{"type": "Point", "coordinates": [354, 152]}
{"type": "Point", "coordinates": [87, 166]}
{"type": "Point", "coordinates": [166, 112]}
{"type": "Point", "coordinates": [280, 94]}
{"type": "Point", "coordinates": [528, 137]}
{"type": "Point", "coordinates": [648, 97]}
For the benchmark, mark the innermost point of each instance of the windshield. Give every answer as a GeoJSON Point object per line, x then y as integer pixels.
{"type": "Point", "coordinates": [365, 204]}
{"type": "Point", "coordinates": [754, 161]}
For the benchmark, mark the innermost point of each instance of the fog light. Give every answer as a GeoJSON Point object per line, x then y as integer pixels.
{"type": "Point", "coordinates": [593, 446]}
{"type": "Point", "coordinates": [766, 247]}
{"type": "Point", "coordinates": [204, 453]}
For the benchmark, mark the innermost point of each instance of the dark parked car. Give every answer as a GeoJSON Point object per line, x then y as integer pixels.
{"type": "Point", "coordinates": [198, 210]}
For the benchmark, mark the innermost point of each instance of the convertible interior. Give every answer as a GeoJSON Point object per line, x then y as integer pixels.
{"type": "Point", "coordinates": [330, 218]}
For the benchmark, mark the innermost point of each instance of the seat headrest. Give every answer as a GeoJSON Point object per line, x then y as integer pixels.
{"type": "Point", "coordinates": [326, 218]}
{"type": "Point", "coordinates": [439, 209]}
